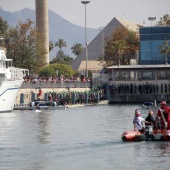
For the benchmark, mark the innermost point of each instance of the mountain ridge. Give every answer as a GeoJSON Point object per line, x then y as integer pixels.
{"type": "Point", "coordinates": [59, 28]}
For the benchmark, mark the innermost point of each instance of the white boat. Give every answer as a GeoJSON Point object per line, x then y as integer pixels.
{"type": "Point", "coordinates": [11, 79]}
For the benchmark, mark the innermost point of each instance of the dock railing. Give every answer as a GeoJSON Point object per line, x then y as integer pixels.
{"type": "Point", "coordinates": [50, 84]}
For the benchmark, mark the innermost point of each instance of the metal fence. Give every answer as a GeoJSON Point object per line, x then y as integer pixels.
{"type": "Point", "coordinates": [48, 84]}
{"type": "Point", "coordinates": [99, 78]}
{"type": "Point", "coordinates": [136, 98]}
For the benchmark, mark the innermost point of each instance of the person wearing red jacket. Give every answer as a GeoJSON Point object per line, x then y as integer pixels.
{"type": "Point", "coordinates": [165, 115]}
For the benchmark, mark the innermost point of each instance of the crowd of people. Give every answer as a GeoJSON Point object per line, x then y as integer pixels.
{"type": "Point", "coordinates": [71, 97]}
{"type": "Point", "coordinates": [55, 79]}
{"type": "Point", "coordinates": [34, 81]}
{"type": "Point", "coordinates": [147, 88]}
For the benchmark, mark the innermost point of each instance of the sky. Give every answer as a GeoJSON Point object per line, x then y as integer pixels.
{"type": "Point", "coordinates": [98, 12]}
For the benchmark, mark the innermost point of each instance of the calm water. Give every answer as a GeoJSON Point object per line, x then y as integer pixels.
{"type": "Point", "coordinates": [86, 138]}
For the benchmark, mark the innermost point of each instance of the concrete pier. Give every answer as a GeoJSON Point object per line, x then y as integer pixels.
{"type": "Point", "coordinates": [28, 92]}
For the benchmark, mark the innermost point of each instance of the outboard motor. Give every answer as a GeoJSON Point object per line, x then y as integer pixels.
{"type": "Point", "coordinates": [148, 132]}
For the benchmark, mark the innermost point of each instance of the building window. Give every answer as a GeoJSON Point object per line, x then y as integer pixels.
{"type": "Point", "coordinates": [122, 75]}
{"type": "Point", "coordinates": [149, 75]}
{"type": "Point", "coordinates": [161, 74]}
{"type": "Point", "coordinates": [168, 74]}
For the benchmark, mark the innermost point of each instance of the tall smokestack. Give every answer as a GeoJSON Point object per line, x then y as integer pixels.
{"type": "Point", "coordinates": [42, 23]}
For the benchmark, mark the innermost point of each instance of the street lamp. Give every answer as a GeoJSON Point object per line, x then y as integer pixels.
{"type": "Point", "coordinates": [151, 19]}
{"type": "Point", "coordinates": [85, 3]}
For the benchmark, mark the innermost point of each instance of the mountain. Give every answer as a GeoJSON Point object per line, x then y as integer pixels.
{"type": "Point", "coordinates": [59, 28]}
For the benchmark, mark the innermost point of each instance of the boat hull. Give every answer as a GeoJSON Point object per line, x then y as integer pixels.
{"type": "Point", "coordinates": [132, 136]}
{"type": "Point", "coordinates": [8, 94]}
{"type": "Point", "coordinates": [155, 135]}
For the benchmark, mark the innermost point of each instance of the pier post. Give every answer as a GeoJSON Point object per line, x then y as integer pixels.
{"type": "Point", "coordinates": [22, 96]}
{"type": "Point", "coordinates": [46, 97]}
{"type": "Point", "coordinates": [33, 96]}
{"type": "Point", "coordinates": [108, 94]}
{"type": "Point", "coordinates": [98, 97]}
{"type": "Point", "coordinates": [86, 98]}
{"type": "Point", "coordinates": [73, 97]}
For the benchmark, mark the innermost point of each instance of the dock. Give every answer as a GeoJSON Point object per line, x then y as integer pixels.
{"type": "Point", "coordinates": [62, 107]}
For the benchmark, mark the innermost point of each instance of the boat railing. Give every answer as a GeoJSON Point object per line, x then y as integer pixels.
{"type": "Point", "coordinates": [14, 73]}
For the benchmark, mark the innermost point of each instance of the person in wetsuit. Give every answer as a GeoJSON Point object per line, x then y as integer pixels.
{"type": "Point", "coordinates": [150, 118]}
{"type": "Point", "coordinates": [38, 107]}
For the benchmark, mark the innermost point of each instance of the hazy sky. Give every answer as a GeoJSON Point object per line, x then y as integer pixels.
{"type": "Point", "coordinates": [99, 12]}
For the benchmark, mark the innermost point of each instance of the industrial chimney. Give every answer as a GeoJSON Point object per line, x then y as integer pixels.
{"type": "Point", "coordinates": [42, 23]}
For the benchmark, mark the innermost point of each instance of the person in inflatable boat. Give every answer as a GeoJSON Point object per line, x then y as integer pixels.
{"type": "Point", "coordinates": [138, 122]}
{"type": "Point", "coordinates": [150, 118]}
{"type": "Point", "coordinates": [38, 107]}
{"type": "Point", "coordinates": [166, 113]}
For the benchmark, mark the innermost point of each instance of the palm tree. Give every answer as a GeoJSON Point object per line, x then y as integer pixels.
{"type": "Point", "coordinates": [77, 49]}
{"type": "Point", "coordinates": [51, 46]}
{"type": "Point", "coordinates": [165, 49]}
{"type": "Point", "coordinates": [61, 43]}
{"type": "Point", "coordinates": [119, 46]}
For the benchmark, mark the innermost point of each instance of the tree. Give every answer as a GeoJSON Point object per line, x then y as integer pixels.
{"type": "Point", "coordinates": [164, 21]}
{"type": "Point", "coordinates": [51, 46]}
{"type": "Point", "coordinates": [66, 59]}
{"type": "Point", "coordinates": [47, 71]}
{"type": "Point", "coordinates": [3, 27]}
{"type": "Point", "coordinates": [120, 47]}
{"type": "Point", "coordinates": [165, 49]}
{"type": "Point", "coordinates": [25, 46]}
{"type": "Point", "coordinates": [53, 69]}
{"type": "Point", "coordinates": [77, 49]}
{"type": "Point", "coordinates": [61, 43]}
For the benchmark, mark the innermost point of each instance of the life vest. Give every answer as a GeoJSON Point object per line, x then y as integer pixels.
{"type": "Point", "coordinates": [166, 114]}
{"type": "Point", "coordinates": [167, 110]}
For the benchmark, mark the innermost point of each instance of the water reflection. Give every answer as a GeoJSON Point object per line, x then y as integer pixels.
{"type": "Point", "coordinates": [164, 149]}
{"type": "Point", "coordinates": [43, 128]}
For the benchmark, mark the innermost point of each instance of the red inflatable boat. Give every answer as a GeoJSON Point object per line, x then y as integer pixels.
{"type": "Point", "coordinates": [148, 135]}
{"type": "Point", "coordinates": [156, 132]}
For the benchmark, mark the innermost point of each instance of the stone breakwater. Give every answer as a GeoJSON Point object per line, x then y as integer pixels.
{"type": "Point", "coordinates": [27, 93]}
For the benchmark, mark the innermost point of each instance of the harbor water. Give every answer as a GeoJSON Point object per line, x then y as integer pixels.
{"type": "Point", "coordinates": [84, 138]}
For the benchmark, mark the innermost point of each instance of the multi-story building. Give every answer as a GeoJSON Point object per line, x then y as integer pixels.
{"type": "Point", "coordinates": [151, 38]}
{"type": "Point", "coordinates": [150, 79]}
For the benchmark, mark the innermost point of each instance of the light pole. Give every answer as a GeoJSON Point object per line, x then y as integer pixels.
{"type": "Point", "coordinates": [151, 19]}
{"type": "Point", "coordinates": [85, 3]}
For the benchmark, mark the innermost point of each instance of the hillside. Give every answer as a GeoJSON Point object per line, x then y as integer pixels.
{"type": "Point", "coordinates": [58, 28]}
